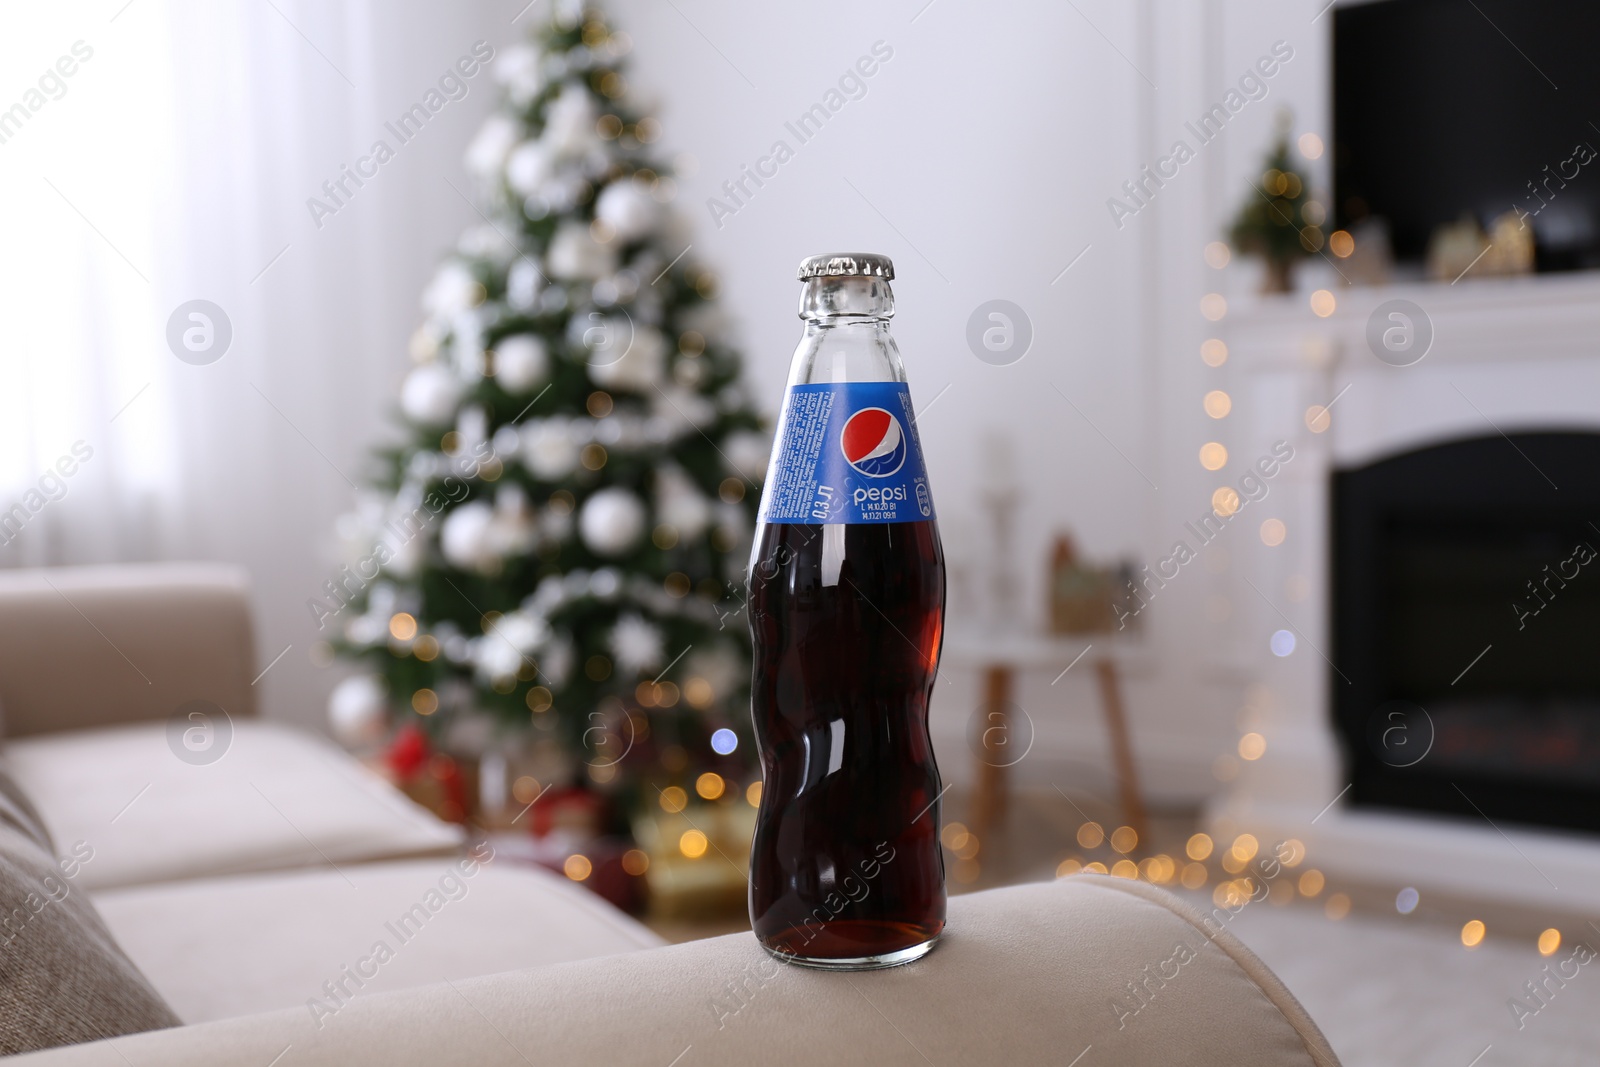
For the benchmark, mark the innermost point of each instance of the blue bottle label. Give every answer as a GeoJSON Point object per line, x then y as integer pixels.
{"type": "Point", "coordinates": [847, 452]}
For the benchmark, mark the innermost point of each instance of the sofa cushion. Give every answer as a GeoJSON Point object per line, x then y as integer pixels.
{"type": "Point", "coordinates": [62, 978]}
{"type": "Point", "coordinates": [234, 946]}
{"type": "Point", "coordinates": [1027, 975]}
{"type": "Point", "coordinates": [276, 798]}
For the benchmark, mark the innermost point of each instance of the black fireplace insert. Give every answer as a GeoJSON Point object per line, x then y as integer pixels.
{"type": "Point", "coordinates": [1466, 629]}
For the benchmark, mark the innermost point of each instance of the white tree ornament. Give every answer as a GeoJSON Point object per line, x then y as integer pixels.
{"type": "Point", "coordinates": [624, 356]}
{"type": "Point", "coordinates": [466, 537]}
{"type": "Point", "coordinates": [637, 645]}
{"type": "Point", "coordinates": [628, 208]}
{"type": "Point", "coordinates": [521, 362]}
{"type": "Point", "coordinates": [576, 256]}
{"type": "Point", "coordinates": [612, 521]}
{"type": "Point", "coordinates": [430, 394]}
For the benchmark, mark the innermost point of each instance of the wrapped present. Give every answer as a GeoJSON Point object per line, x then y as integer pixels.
{"type": "Point", "coordinates": [698, 857]}
{"type": "Point", "coordinates": [444, 784]}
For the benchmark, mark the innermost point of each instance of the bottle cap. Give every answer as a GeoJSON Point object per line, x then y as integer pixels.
{"type": "Point", "coordinates": [847, 265]}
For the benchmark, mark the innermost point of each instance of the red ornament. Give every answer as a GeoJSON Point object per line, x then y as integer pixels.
{"type": "Point", "coordinates": [408, 752]}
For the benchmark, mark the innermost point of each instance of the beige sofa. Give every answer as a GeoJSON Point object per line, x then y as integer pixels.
{"type": "Point", "coordinates": [253, 890]}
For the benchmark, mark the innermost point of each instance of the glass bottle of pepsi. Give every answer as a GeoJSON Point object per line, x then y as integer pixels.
{"type": "Point", "coordinates": [846, 609]}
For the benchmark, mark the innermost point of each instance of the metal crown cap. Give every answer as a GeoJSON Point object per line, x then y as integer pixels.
{"type": "Point", "coordinates": [847, 265]}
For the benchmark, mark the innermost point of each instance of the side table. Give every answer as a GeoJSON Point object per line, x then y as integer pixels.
{"type": "Point", "coordinates": [999, 655]}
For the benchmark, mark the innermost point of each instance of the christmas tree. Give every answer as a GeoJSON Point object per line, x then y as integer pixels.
{"type": "Point", "coordinates": [550, 562]}
{"type": "Point", "coordinates": [1280, 221]}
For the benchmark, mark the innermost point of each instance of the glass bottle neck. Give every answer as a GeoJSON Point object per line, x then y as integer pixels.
{"type": "Point", "coordinates": [846, 337]}
{"type": "Point", "coordinates": [833, 301]}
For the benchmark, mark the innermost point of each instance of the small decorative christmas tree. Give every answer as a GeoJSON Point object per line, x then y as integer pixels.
{"type": "Point", "coordinates": [551, 563]}
{"type": "Point", "coordinates": [1280, 221]}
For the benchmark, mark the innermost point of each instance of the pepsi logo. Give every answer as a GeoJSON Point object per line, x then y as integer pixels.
{"type": "Point", "coordinates": [873, 442]}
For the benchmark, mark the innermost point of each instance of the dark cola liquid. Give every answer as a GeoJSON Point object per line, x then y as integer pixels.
{"type": "Point", "coordinates": [846, 863]}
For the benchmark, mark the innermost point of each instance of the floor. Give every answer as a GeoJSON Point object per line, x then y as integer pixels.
{"type": "Point", "coordinates": [1388, 990]}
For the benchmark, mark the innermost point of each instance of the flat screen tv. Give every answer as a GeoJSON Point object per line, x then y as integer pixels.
{"type": "Point", "coordinates": [1446, 108]}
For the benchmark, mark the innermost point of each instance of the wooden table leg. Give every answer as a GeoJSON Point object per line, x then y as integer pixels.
{"type": "Point", "coordinates": [989, 799]}
{"type": "Point", "coordinates": [1121, 748]}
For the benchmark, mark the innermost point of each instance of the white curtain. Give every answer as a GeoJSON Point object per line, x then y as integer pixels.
{"type": "Point", "coordinates": [174, 163]}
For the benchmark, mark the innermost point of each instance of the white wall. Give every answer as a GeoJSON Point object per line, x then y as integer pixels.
{"type": "Point", "coordinates": [981, 159]}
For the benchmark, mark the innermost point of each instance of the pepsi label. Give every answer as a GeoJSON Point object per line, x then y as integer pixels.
{"type": "Point", "coordinates": [847, 452]}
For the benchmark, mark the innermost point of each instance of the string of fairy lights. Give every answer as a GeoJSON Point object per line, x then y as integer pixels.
{"type": "Point", "coordinates": [1233, 888]}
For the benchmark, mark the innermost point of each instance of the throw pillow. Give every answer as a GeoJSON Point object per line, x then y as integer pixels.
{"type": "Point", "coordinates": [63, 980]}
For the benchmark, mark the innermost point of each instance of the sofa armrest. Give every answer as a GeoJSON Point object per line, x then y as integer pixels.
{"type": "Point", "coordinates": [96, 646]}
{"type": "Point", "coordinates": [1030, 974]}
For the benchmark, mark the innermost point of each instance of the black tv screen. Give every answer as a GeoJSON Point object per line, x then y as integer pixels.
{"type": "Point", "coordinates": [1446, 108]}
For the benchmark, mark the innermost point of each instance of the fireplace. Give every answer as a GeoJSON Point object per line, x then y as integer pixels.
{"type": "Point", "coordinates": [1465, 599]}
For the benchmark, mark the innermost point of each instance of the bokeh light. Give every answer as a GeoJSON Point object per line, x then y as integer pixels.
{"type": "Point", "coordinates": [693, 844]}
{"type": "Point", "coordinates": [674, 799]}
{"type": "Point", "coordinates": [1405, 901]}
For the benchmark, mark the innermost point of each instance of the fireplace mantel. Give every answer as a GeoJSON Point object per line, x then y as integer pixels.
{"type": "Point", "coordinates": [1507, 355]}
{"type": "Point", "coordinates": [1553, 316]}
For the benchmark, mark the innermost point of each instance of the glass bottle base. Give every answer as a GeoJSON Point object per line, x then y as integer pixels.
{"type": "Point", "coordinates": [877, 962]}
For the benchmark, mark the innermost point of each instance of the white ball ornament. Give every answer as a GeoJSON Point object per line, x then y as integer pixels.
{"type": "Point", "coordinates": [523, 282]}
{"type": "Point", "coordinates": [612, 521]}
{"type": "Point", "coordinates": [357, 710]}
{"type": "Point", "coordinates": [466, 538]}
{"type": "Point", "coordinates": [518, 70]}
{"type": "Point", "coordinates": [574, 254]}
{"type": "Point", "coordinates": [521, 362]}
{"type": "Point", "coordinates": [637, 645]}
{"type": "Point", "coordinates": [628, 208]}
{"type": "Point", "coordinates": [569, 128]}
{"type": "Point", "coordinates": [528, 167]}
{"type": "Point", "coordinates": [549, 449]}
{"type": "Point", "coordinates": [624, 357]}
{"type": "Point", "coordinates": [430, 394]}
{"type": "Point", "coordinates": [452, 291]}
